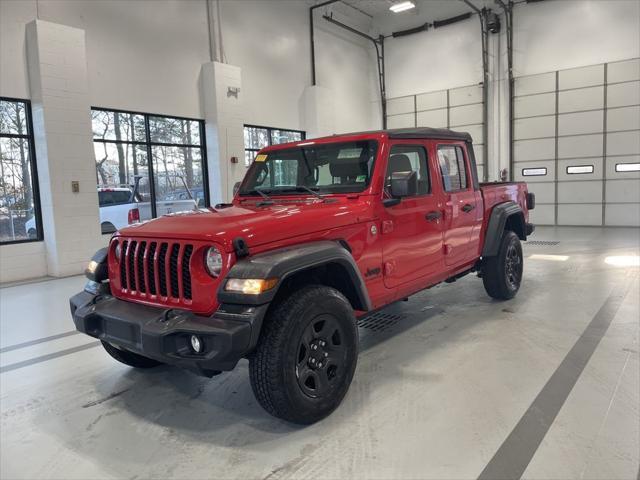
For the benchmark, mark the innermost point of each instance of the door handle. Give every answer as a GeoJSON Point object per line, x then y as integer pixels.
{"type": "Point", "coordinates": [433, 216]}
{"type": "Point", "coordinates": [467, 208]}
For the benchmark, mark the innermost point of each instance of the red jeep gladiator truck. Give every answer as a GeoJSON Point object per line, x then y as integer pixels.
{"type": "Point", "coordinates": [319, 233]}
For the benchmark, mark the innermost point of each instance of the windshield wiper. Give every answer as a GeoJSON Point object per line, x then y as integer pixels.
{"type": "Point", "coordinates": [304, 188]}
{"type": "Point", "coordinates": [267, 199]}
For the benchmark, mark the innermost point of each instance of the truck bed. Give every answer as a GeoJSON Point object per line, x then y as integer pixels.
{"type": "Point", "coordinates": [495, 193]}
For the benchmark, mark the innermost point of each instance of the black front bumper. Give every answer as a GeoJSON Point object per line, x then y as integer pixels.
{"type": "Point", "coordinates": [164, 334]}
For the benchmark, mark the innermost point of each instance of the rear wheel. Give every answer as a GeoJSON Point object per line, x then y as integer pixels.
{"type": "Point", "coordinates": [306, 357]}
{"type": "Point", "coordinates": [129, 358]}
{"type": "Point", "coordinates": [502, 274]}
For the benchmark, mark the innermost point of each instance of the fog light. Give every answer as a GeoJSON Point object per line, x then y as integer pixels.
{"type": "Point", "coordinates": [196, 344]}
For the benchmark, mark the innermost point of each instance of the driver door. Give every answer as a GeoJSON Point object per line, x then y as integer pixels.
{"type": "Point", "coordinates": [412, 229]}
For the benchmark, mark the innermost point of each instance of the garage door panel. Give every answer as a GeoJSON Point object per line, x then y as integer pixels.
{"type": "Point", "coordinates": [480, 170]}
{"type": "Point", "coordinates": [623, 94]}
{"type": "Point", "coordinates": [522, 168]}
{"type": "Point", "coordinates": [474, 130]}
{"type": "Point", "coordinates": [580, 214]}
{"type": "Point", "coordinates": [623, 71]}
{"type": "Point", "coordinates": [431, 100]}
{"type": "Point", "coordinates": [536, 127]}
{"type": "Point", "coordinates": [465, 95]}
{"type": "Point", "coordinates": [543, 215]}
{"type": "Point", "coordinates": [581, 77]}
{"type": "Point", "coordinates": [623, 143]}
{"type": "Point", "coordinates": [626, 160]}
{"type": "Point", "coordinates": [465, 115]}
{"type": "Point", "coordinates": [583, 99]}
{"type": "Point", "coordinates": [622, 215]}
{"type": "Point", "coordinates": [396, 106]}
{"type": "Point", "coordinates": [625, 118]}
{"type": "Point", "coordinates": [540, 149]}
{"type": "Point", "coordinates": [533, 105]}
{"type": "Point", "coordinates": [545, 82]}
{"type": "Point", "coordinates": [580, 146]}
{"type": "Point", "coordinates": [580, 123]}
{"type": "Point", "coordinates": [545, 191]}
{"type": "Point", "coordinates": [406, 120]}
{"type": "Point", "coordinates": [564, 175]}
{"type": "Point", "coordinates": [579, 192]}
{"type": "Point", "coordinates": [621, 191]}
{"type": "Point", "coordinates": [432, 118]}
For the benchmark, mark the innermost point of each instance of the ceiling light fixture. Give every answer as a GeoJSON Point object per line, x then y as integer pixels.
{"type": "Point", "coordinates": [402, 7]}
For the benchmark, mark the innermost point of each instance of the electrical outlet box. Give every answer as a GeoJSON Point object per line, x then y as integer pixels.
{"type": "Point", "coordinates": [75, 186]}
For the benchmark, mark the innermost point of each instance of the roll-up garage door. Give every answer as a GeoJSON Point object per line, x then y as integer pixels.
{"type": "Point", "coordinates": [457, 108]}
{"type": "Point", "coordinates": [577, 142]}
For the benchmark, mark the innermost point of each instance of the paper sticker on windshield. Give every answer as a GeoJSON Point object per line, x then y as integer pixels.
{"type": "Point", "coordinates": [261, 158]}
{"type": "Point", "coordinates": [361, 178]}
{"type": "Point", "coordinates": [350, 153]}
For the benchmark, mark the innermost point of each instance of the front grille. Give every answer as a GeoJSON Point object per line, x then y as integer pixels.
{"type": "Point", "coordinates": [154, 270]}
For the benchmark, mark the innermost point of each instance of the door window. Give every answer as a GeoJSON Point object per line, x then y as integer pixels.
{"type": "Point", "coordinates": [454, 174]}
{"type": "Point", "coordinates": [409, 158]}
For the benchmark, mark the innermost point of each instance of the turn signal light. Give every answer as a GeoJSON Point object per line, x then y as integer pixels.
{"type": "Point", "coordinates": [250, 286]}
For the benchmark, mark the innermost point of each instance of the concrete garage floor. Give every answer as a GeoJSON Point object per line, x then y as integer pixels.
{"type": "Point", "coordinates": [456, 386]}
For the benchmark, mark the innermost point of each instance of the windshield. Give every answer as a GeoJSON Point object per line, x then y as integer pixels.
{"type": "Point", "coordinates": [331, 168]}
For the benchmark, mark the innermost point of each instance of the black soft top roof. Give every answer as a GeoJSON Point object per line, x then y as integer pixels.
{"type": "Point", "coordinates": [425, 132]}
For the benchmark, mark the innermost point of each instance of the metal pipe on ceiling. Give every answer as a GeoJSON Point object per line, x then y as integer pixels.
{"type": "Point", "coordinates": [312, 38]}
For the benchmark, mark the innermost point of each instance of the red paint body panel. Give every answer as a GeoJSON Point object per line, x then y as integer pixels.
{"type": "Point", "coordinates": [411, 252]}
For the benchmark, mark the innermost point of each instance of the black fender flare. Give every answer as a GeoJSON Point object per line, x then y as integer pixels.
{"type": "Point", "coordinates": [497, 223]}
{"type": "Point", "coordinates": [285, 262]}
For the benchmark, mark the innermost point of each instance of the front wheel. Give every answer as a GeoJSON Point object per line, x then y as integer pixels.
{"type": "Point", "coordinates": [502, 274]}
{"type": "Point", "coordinates": [306, 357]}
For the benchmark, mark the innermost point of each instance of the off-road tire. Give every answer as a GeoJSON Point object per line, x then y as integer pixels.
{"type": "Point", "coordinates": [130, 358]}
{"type": "Point", "coordinates": [277, 367]}
{"type": "Point", "coordinates": [500, 282]}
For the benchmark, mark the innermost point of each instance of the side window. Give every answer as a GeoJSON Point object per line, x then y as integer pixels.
{"type": "Point", "coordinates": [407, 158]}
{"type": "Point", "coordinates": [454, 174]}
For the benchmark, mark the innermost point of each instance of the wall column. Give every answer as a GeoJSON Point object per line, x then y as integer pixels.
{"type": "Point", "coordinates": [221, 94]}
{"type": "Point", "coordinates": [57, 70]}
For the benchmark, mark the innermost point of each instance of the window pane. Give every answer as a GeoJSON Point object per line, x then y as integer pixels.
{"type": "Point", "coordinates": [453, 174]}
{"type": "Point", "coordinates": [627, 167]}
{"type": "Point", "coordinates": [178, 179]}
{"type": "Point", "coordinates": [117, 126]}
{"type": "Point", "coordinates": [461, 168]}
{"type": "Point", "coordinates": [249, 155]}
{"type": "Point", "coordinates": [534, 172]}
{"type": "Point", "coordinates": [406, 158]}
{"type": "Point", "coordinates": [17, 208]}
{"type": "Point", "coordinates": [256, 138]}
{"type": "Point", "coordinates": [174, 131]}
{"type": "Point", "coordinates": [580, 169]}
{"type": "Point", "coordinates": [13, 117]}
{"type": "Point", "coordinates": [285, 136]}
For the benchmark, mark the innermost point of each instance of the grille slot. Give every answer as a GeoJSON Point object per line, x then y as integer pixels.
{"type": "Point", "coordinates": [131, 252]}
{"type": "Point", "coordinates": [142, 285]}
{"type": "Point", "coordinates": [151, 266]}
{"type": "Point", "coordinates": [186, 271]}
{"type": "Point", "coordinates": [162, 270]}
{"type": "Point", "coordinates": [173, 266]}
{"type": "Point", "coordinates": [123, 264]}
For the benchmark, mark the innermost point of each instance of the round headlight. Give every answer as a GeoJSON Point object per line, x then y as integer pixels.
{"type": "Point", "coordinates": [213, 261]}
{"type": "Point", "coordinates": [118, 252]}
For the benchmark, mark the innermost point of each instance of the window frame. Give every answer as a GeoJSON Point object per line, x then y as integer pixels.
{"type": "Point", "coordinates": [468, 179]}
{"type": "Point", "coordinates": [426, 157]}
{"type": "Point", "coordinates": [35, 185]}
{"type": "Point", "coordinates": [149, 144]}
{"type": "Point", "coordinates": [269, 130]}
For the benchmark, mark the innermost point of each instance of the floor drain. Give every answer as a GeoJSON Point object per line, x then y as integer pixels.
{"type": "Point", "coordinates": [543, 242]}
{"type": "Point", "coordinates": [379, 322]}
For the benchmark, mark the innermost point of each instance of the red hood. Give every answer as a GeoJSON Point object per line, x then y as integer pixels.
{"type": "Point", "coordinates": [257, 225]}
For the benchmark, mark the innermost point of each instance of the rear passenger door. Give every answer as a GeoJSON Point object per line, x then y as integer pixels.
{"type": "Point", "coordinates": [412, 229]}
{"type": "Point", "coordinates": [463, 205]}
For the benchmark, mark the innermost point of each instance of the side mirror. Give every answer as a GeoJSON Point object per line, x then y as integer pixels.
{"type": "Point", "coordinates": [236, 187]}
